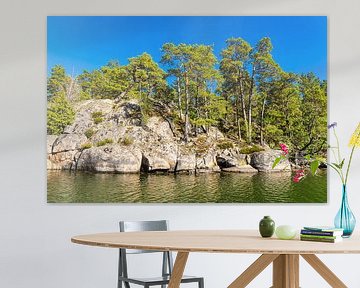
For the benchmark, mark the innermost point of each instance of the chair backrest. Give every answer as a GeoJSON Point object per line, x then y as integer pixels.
{"type": "Point", "coordinates": [134, 226]}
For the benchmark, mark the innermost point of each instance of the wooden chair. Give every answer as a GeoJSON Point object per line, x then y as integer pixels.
{"type": "Point", "coordinates": [167, 262]}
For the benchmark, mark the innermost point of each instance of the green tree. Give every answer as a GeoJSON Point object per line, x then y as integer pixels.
{"type": "Point", "coordinates": [314, 110]}
{"type": "Point", "coordinates": [178, 59]}
{"type": "Point", "coordinates": [244, 69]}
{"type": "Point", "coordinates": [60, 114]}
{"type": "Point", "coordinates": [281, 115]}
{"type": "Point", "coordinates": [148, 80]}
{"type": "Point", "coordinates": [204, 79]}
{"type": "Point", "coordinates": [57, 82]}
{"type": "Point", "coordinates": [193, 67]}
{"type": "Point", "coordinates": [109, 82]}
{"type": "Point", "coordinates": [60, 82]}
{"type": "Point", "coordinates": [249, 95]}
{"type": "Point", "coordinates": [142, 78]}
{"type": "Point", "coordinates": [236, 77]}
{"type": "Point", "coordinates": [214, 109]}
{"type": "Point", "coordinates": [295, 113]}
{"type": "Point", "coordinates": [146, 75]}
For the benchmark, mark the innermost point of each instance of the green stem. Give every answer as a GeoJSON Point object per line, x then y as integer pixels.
{"type": "Point", "coordinates": [348, 166]}
{"type": "Point", "coordinates": [333, 152]}
{"type": "Point", "coordinates": [338, 146]}
{"type": "Point", "coordinates": [339, 155]}
{"type": "Point", "coordinates": [337, 171]}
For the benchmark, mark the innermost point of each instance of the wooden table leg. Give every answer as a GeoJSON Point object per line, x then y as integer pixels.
{"type": "Point", "coordinates": [253, 270]}
{"type": "Point", "coordinates": [178, 270]}
{"type": "Point", "coordinates": [324, 271]}
{"type": "Point", "coordinates": [286, 271]}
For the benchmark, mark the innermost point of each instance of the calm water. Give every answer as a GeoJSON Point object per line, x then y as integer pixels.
{"type": "Point", "coordinates": [82, 187]}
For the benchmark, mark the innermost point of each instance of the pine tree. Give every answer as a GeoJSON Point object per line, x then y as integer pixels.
{"type": "Point", "coordinates": [314, 106]}
{"type": "Point", "coordinates": [59, 114]}
{"type": "Point", "coordinates": [57, 82]}
{"type": "Point", "coordinates": [193, 67]}
{"type": "Point", "coordinates": [148, 80]}
{"type": "Point", "coordinates": [244, 69]}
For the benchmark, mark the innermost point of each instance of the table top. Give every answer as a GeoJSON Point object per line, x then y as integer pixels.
{"type": "Point", "coordinates": [217, 241]}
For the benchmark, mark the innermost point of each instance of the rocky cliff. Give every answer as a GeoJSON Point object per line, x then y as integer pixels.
{"type": "Point", "coordinates": [114, 137]}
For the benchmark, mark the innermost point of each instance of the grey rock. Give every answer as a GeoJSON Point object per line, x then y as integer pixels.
{"type": "Point", "coordinates": [110, 158]}
{"type": "Point", "coordinates": [150, 146]}
{"type": "Point", "coordinates": [241, 169]}
{"type": "Point", "coordinates": [113, 115]}
{"type": "Point", "coordinates": [207, 170]}
{"type": "Point", "coordinates": [214, 134]}
{"type": "Point", "coordinates": [130, 111]}
{"type": "Point", "coordinates": [83, 117]}
{"type": "Point", "coordinates": [64, 150]}
{"type": "Point", "coordinates": [159, 157]}
{"type": "Point", "coordinates": [152, 162]}
{"type": "Point", "coordinates": [50, 139]}
{"type": "Point", "coordinates": [51, 165]}
{"type": "Point", "coordinates": [186, 162]}
{"type": "Point", "coordinates": [160, 127]}
{"type": "Point", "coordinates": [264, 160]}
{"type": "Point", "coordinates": [62, 160]}
{"type": "Point", "coordinates": [207, 162]}
{"type": "Point", "coordinates": [68, 142]}
{"type": "Point", "coordinates": [232, 160]}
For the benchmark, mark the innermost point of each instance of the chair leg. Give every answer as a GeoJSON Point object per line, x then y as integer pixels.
{"type": "Point", "coordinates": [201, 283]}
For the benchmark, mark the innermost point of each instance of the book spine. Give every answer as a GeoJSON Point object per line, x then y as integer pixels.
{"type": "Point", "coordinates": [318, 239]}
{"type": "Point", "coordinates": [319, 236]}
{"type": "Point", "coordinates": [320, 233]}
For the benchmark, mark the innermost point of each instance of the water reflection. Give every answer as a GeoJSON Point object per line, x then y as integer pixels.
{"type": "Point", "coordinates": [82, 187]}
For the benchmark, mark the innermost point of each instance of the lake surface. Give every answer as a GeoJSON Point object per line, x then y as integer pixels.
{"type": "Point", "coordinates": [83, 187]}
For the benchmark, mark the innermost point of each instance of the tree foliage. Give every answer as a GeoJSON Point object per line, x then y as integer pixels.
{"type": "Point", "coordinates": [193, 68]}
{"type": "Point", "coordinates": [57, 82]}
{"type": "Point", "coordinates": [60, 114]}
{"type": "Point", "coordinates": [108, 82]}
{"type": "Point", "coordinates": [246, 71]}
{"type": "Point", "coordinates": [245, 93]}
{"type": "Point", "coordinates": [60, 91]}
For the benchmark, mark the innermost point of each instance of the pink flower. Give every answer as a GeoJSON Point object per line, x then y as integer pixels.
{"type": "Point", "coordinates": [299, 174]}
{"type": "Point", "coordinates": [284, 148]}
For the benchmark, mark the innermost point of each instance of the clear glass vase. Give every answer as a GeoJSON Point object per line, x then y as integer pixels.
{"type": "Point", "coordinates": [345, 219]}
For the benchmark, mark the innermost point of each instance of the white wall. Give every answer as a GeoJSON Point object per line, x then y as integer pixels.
{"type": "Point", "coordinates": [35, 248]}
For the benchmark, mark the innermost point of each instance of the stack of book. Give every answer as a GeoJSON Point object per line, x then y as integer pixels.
{"type": "Point", "coordinates": [321, 234]}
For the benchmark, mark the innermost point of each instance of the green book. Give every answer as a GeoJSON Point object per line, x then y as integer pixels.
{"type": "Point", "coordinates": [319, 236]}
{"type": "Point", "coordinates": [325, 240]}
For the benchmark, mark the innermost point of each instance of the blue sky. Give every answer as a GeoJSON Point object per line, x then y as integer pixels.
{"type": "Point", "coordinates": [89, 42]}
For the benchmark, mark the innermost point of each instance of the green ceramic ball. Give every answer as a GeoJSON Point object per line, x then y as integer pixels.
{"type": "Point", "coordinates": [285, 232]}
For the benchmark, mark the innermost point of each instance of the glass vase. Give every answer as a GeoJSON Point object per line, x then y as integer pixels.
{"type": "Point", "coordinates": [345, 219]}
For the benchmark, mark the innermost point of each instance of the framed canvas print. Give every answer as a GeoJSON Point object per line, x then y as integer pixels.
{"type": "Point", "coordinates": [180, 109]}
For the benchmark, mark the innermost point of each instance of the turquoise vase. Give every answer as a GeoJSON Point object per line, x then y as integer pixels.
{"type": "Point", "coordinates": [345, 219]}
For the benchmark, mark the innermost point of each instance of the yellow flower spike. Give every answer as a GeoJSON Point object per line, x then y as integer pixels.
{"type": "Point", "coordinates": [355, 137]}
